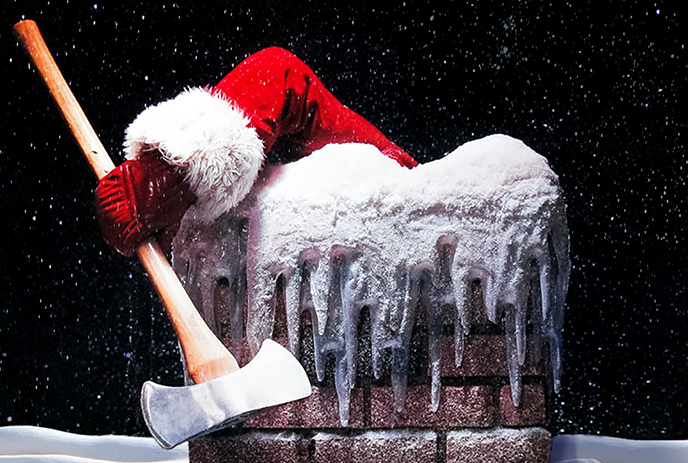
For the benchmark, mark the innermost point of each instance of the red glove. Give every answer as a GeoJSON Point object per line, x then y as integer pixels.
{"type": "Point", "coordinates": [219, 138]}
{"type": "Point", "coordinates": [141, 198]}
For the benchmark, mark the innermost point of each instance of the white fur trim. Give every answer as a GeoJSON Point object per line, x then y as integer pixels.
{"type": "Point", "coordinates": [210, 139]}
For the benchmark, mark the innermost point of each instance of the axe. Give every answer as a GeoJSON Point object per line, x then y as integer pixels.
{"type": "Point", "coordinates": [223, 393]}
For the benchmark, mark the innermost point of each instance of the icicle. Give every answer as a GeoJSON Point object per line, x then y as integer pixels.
{"type": "Point", "coordinates": [401, 328]}
{"type": "Point", "coordinates": [229, 308]}
{"type": "Point", "coordinates": [346, 294]}
{"type": "Point", "coordinates": [261, 318]}
{"type": "Point", "coordinates": [423, 293]}
{"type": "Point", "coordinates": [555, 358]}
{"type": "Point", "coordinates": [292, 306]}
{"type": "Point", "coordinates": [433, 303]}
{"type": "Point", "coordinates": [343, 385]}
{"type": "Point", "coordinates": [320, 286]}
{"type": "Point", "coordinates": [545, 287]}
{"type": "Point", "coordinates": [554, 278]}
{"type": "Point", "coordinates": [460, 282]}
{"type": "Point", "coordinates": [435, 382]}
{"type": "Point", "coordinates": [376, 337]}
{"type": "Point", "coordinates": [320, 347]}
{"type": "Point", "coordinates": [521, 309]}
{"type": "Point", "coordinates": [307, 263]}
{"type": "Point", "coordinates": [512, 353]}
{"type": "Point", "coordinates": [444, 284]}
{"type": "Point", "coordinates": [321, 342]}
{"type": "Point", "coordinates": [352, 291]}
{"type": "Point", "coordinates": [554, 324]}
{"type": "Point", "coordinates": [536, 313]}
{"type": "Point", "coordinates": [232, 270]}
{"type": "Point", "coordinates": [490, 296]}
{"type": "Point", "coordinates": [335, 316]}
{"type": "Point", "coordinates": [381, 288]}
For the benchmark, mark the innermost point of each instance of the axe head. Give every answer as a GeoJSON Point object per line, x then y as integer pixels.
{"type": "Point", "coordinates": [178, 414]}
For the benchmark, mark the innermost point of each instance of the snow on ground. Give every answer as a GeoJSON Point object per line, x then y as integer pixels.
{"type": "Point", "coordinates": [34, 444]}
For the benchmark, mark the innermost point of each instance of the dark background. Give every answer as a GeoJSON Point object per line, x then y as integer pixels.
{"type": "Point", "coordinates": [599, 88]}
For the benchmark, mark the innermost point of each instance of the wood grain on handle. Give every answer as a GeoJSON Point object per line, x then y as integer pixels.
{"type": "Point", "coordinates": [206, 357]}
{"type": "Point", "coordinates": [32, 41]}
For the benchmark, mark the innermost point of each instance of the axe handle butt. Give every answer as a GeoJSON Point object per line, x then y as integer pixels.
{"type": "Point", "coordinates": [31, 39]}
{"type": "Point", "coordinates": [206, 357]}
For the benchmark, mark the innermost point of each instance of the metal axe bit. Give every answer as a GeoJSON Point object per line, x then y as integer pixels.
{"type": "Point", "coordinates": [226, 400]}
{"type": "Point", "coordinates": [223, 394]}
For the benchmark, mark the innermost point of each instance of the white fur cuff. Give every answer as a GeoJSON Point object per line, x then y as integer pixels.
{"type": "Point", "coordinates": [210, 139]}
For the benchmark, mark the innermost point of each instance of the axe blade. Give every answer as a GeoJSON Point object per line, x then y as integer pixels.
{"type": "Point", "coordinates": [177, 414]}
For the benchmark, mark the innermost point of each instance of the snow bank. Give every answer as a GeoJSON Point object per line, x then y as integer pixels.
{"type": "Point", "coordinates": [575, 448]}
{"type": "Point", "coordinates": [35, 444]}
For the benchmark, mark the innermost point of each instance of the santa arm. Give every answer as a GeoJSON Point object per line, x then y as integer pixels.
{"type": "Point", "coordinates": [214, 141]}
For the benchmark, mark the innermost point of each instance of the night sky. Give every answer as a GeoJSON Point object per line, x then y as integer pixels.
{"type": "Point", "coordinates": [598, 88]}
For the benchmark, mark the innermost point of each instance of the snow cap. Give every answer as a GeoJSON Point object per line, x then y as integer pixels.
{"type": "Point", "coordinates": [209, 138]}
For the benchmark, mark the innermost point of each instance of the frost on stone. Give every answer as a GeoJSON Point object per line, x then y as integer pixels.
{"type": "Point", "coordinates": [346, 229]}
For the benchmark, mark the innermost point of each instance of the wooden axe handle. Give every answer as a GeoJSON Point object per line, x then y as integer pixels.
{"type": "Point", "coordinates": [206, 357]}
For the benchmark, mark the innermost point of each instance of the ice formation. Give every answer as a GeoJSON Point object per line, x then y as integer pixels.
{"type": "Point", "coordinates": [347, 228]}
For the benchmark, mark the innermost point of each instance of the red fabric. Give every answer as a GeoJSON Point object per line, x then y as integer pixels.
{"type": "Point", "coordinates": [141, 198]}
{"type": "Point", "coordinates": [285, 99]}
